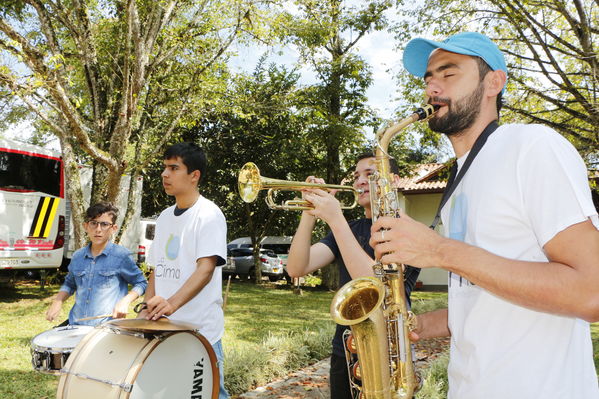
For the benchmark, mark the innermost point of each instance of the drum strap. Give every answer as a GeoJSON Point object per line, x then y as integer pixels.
{"type": "Point", "coordinates": [124, 387]}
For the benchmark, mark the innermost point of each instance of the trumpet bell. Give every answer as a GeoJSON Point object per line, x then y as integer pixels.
{"type": "Point", "coordinates": [249, 182]}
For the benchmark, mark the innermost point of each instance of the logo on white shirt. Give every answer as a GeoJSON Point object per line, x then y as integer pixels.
{"type": "Point", "coordinates": [172, 247]}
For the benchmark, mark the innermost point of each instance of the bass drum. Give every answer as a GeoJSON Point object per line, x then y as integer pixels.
{"type": "Point", "coordinates": [111, 363]}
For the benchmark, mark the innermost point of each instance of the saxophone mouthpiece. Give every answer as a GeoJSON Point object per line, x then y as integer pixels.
{"type": "Point", "coordinates": [427, 111]}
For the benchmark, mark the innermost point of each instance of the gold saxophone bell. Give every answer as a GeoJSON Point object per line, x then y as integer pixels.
{"type": "Point", "coordinates": [250, 183]}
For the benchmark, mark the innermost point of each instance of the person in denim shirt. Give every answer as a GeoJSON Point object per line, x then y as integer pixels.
{"type": "Point", "coordinates": [99, 274]}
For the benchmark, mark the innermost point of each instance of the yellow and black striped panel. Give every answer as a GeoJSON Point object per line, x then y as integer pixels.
{"type": "Point", "coordinates": [44, 217]}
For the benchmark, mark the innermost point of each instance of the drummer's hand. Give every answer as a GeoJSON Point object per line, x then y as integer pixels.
{"type": "Point", "coordinates": [120, 309]}
{"type": "Point", "coordinates": [142, 315]}
{"type": "Point", "coordinates": [158, 307]}
{"type": "Point", "coordinates": [53, 310]}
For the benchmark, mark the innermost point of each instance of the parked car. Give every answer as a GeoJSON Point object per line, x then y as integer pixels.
{"type": "Point", "coordinates": [242, 242]}
{"type": "Point", "coordinates": [243, 264]}
{"type": "Point", "coordinates": [279, 244]}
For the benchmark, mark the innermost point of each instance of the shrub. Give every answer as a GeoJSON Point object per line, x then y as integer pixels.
{"type": "Point", "coordinates": [278, 355]}
{"type": "Point", "coordinates": [429, 304]}
{"type": "Point", "coordinates": [435, 379]}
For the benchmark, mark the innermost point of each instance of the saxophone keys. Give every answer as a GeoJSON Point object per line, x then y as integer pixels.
{"type": "Point", "coordinates": [412, 321]}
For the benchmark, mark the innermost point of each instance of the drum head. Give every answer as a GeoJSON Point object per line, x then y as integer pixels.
{"type": "Point", "coordinates": [182, 366]}
{"type": "Point", "coordinates": [60, 338]}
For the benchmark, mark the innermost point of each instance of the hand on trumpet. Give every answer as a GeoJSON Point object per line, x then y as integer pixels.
{"type": "Point", "coordinates": [326, 206]}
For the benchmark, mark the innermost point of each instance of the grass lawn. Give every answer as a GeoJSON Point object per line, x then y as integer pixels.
{"type": "Point", "coordinates": [252, 312]}
{"type": "Point", "coordinates": [254, 315]}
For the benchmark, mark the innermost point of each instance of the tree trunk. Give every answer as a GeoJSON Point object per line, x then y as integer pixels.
{"type": "Point", "coordinates": [330, 277]}
{"type": "Point", "coordinates": [74, 194]}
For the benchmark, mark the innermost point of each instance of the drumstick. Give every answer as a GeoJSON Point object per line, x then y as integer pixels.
{"type": "Point", "coordinates": [95, 317]}
{"type": "Point", "coordinates": [226, 293]}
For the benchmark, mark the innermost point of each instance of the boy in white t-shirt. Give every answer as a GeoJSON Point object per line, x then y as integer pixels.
{"type": "Point", "coordinates": [521, 239]}
{"type": "Point", "coordinates": [189, 245]}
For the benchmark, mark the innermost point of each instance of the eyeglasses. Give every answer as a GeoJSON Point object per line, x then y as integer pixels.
{"type": "Point", "coordinates": [103, 225]}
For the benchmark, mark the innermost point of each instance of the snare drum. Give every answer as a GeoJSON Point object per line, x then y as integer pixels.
{"type": "Point", "coordinates": [113, 363]}
{"type": "Point", "coordinates": [51, 349]}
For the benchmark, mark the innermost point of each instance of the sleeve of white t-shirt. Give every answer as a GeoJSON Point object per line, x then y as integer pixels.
{"type": "Point", "coordinates": [553, 184]}
{"type": "Point", "coordinates": [211, 237]}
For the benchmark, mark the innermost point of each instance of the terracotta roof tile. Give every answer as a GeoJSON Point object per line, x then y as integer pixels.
{"type": "Point", "coordinates": [424, 179]}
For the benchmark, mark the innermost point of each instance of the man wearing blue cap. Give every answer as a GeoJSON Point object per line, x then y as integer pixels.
{"type": "Point", "coordinates": [520, 238]}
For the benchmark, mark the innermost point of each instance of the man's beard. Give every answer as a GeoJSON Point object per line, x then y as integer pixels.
{"type": "Point", "coordinates": [460, 115]}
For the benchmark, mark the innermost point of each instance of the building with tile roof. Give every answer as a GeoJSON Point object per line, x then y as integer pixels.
{"type": "Point", "coordinates": [420, 195]}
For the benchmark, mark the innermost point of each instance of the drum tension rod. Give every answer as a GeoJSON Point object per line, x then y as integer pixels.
{"type": "Point", "coordinates": [124, 387]}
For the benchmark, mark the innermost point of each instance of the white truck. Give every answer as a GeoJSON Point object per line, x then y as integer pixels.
{"type": "Point", "coordinates": [34, 212]}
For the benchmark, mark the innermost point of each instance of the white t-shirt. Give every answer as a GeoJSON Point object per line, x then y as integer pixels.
{"type": "Point", "coordinates": [526, 185]}
{"type": "Point", "coordinates": [201, 231]}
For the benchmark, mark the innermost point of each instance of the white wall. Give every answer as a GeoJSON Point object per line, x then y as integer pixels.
{"type": "Point", "coordinates": [422, 207]}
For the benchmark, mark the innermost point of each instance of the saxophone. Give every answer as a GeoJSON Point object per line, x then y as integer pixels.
{"type": "Point", "coordinates": [375, 308]}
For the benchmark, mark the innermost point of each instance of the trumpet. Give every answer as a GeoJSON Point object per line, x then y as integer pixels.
{"type": "Point", "coordinates": [250, 183]}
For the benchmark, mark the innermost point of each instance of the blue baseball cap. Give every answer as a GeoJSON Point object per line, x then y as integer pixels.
{"type": "Point", "coordinates": [418, 51]}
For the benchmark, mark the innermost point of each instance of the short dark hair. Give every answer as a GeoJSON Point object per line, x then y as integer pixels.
{"type": "Point", "coordinates": [101, 208]}
{"type": "Point", "coordinates": [370, 154]}
{"type": "Point", "coordinates": [192, 156]}
{"type": "Point", "coordinates": [483, 70]}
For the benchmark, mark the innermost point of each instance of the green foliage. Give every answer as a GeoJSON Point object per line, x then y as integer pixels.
{"type": "Point", "coordinates": [256, 122]}
{"type": "Point", "coordinates": [422, 302]}
{"type": "Point", "coordinates": [435, 384]}
{"type": "Point", "coordinates": [115, 83]}
{"type": "Point", "coordinates": [327, 35]}
{"type": "Point", "coordinates": [312, 281]}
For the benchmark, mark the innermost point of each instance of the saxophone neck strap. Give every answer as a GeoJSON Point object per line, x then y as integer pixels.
{"type": "Point", "coordinates": [454, 179]}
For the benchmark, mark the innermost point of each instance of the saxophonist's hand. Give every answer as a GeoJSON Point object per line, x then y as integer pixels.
{"type": "Point", "coordinates": [404, 240]}
{"type": "Point", "coordinates": [414, 334]}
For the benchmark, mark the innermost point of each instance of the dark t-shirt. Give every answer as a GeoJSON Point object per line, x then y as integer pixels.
{"type": "Point", "coordinates": [361, 230]}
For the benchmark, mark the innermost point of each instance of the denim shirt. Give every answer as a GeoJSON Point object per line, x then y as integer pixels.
{"type": "Point", "coordinates": [100, 282]}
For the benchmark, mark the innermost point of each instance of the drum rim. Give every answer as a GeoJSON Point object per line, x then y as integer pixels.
{"type": "Point", "coordinates": [53, 350]}
{"type": "Point", "coordinates": [58, 349]}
